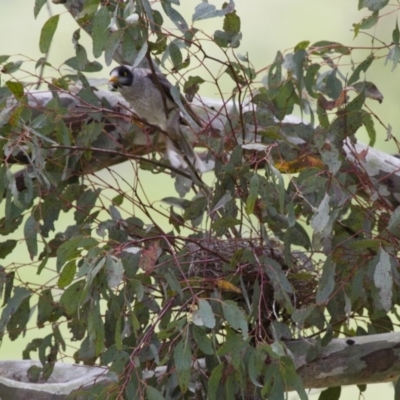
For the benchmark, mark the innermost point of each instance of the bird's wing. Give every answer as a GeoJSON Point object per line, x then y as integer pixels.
{"type": "Point", "coordinates": [165, 85]}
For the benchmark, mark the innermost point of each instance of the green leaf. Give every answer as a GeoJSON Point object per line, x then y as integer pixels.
{"type": "Point", "coordinates": [111, 45]}
{"type": "Point", "coordinates": [192, 86]}
{"type": "Point", "coordinates": [334, 86]}
{"type": "Point", "coordinates": [231, 23]}
{"type": "Point", "coordinates": [19, 318]}
{"type": "Point", "coordinates": [88, 198]}
{"type": "Point", "coordinates": [205, 10]}
{"type": "Point", "coordinates": [81, 57]}
{"type": "Point", "coordinates": [394, 56]}
{"type": "Point", "coordinates": [280, 283]}
{"type": "Point", "coordinates": [47, 33]}
{"type": "Point", "coordinates": [368, 123]}
{"type": "Point", "coordinates": [310, 79]}
{"type": "Point", "coordinates": [13, 304]}
{"type": "Point", "coordinates": [3, 279]}
{"type": "Point", "coordinates": [67, 251]}
{"type": "Point", "coordinates": [256, 365]}
{"type": "Point", "coordinates": [299, 59]}
{"type": "Point", "coordinates": [291, 378]}
{"type": "Point", "coordinates": [95, 329]}
{"type": "Point", "coordinates": [149, 13]}
{"type": "Point", "coordinates": [176, 202]}
{"type": "Point", "coordinates": [394, 223]}
{"type": "Point", "coordinates": [153, 394]}
{"type": "Point", "coordinates": [397, 390]}
{"type": "Point", "coordinates": [370, 90]}
{"type": "Point", "coordinates": [202, 340]}
{"type": "Point", "coordinates": [183, 361]}
{"type": "Point", "coordinates": [226, 39]}
{"type": "Point", "coordinates": [215, 382]}
{"type": "Point", "coordinates": [253, 193]}
{"type": "Point", "coordinates": [90, 66]}
{"type": "Point", "coordinates": [16, 88]}
{"type": "Point", "coordinates": [235, 317]}
{"type": "Point", "coordinates": [38, 6]}
{"type": "Point", "coordinates": [175, 55]}
{"type": "Point", "coordinates": [30, 234]}
{"type": "Point", "coordinates": [100, 30]}
{"type": "Point", "coordinates": [372, 5]}
{"type": "Point", "coordinates": [383, 279]}
{"type": "Point", "coordinates": [327, 282]}
{"type": "Point", "coordinates": [175, 17]}
{"type": "Point", "coordinates": [324, 46]}
{"type": "Point", "coordinates": [366, 23]}
{"type": "Point", "coordinates": [320, 219]}
{"type": "Point", "coordinates": [9, 285]}
{"type": "Point", "coordinates": [206, 313]}
{"type": "Point", "coordinates": [362, 67]}
{"type": "Point", "coordinates": [396, 34]}
{"type": "Point", "coordinates": [70, 299]}
{"type": "Point", "coordinates": [11, 67]}
{"type": "Point", "coordinates": [67, 274]}
{"type": "Point", "coordinates": [3, 59]}
{"type": "Point", "coordinates": [302, 45]}
{"type": "Point", "coordinates": [45, 307]}
{"type": "Point", "coordinates": [7, 247]}
{"type": "Point", "coordinates": [332, 393]}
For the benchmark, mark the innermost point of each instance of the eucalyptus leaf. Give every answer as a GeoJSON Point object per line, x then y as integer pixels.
{"type": "Point", "coordinates": [47, 33]}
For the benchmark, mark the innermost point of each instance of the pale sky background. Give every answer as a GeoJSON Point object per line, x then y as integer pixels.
{"type": "Point", "coordinates": [267, 26]}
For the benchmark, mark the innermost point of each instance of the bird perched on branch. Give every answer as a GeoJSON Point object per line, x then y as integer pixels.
{"type": "Point", "coordinates": [149, 93]}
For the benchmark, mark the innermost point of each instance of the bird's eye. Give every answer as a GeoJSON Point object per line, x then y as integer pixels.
{"type": "Point", "coordinates": [125, 74]}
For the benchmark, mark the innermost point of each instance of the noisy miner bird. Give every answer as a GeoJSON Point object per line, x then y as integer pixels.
{"type": "Point", "coordinates": [149, 94]}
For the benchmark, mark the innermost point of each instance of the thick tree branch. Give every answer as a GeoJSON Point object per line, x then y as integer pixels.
{"type": "Point", "coordinates": [359, 360]}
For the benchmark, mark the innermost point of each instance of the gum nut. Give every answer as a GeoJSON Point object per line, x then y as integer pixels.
{"type": "Point", "coordinates": [132, 19]}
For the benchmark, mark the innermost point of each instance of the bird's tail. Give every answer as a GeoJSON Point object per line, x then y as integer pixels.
{"type": "Point", "coordinates": [181, 153]}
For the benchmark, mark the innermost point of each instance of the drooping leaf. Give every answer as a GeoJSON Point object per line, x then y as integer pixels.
{"type": "Point", "coordinates": [70, 299]}
{"type": "Point", "coordinates": [90, 66]}
{"type": "Point", "coordinates": [38, 6]}
{"type": "Point", "coordinates": [16, 88]}
{"type": "Point", "coordinates": [67, 274]}
{"type": "Point", "coordinates": [362, 67]}
{"type": "Point", "coordinates": [235, 317]}
{"type": "Point", "coordinates": [100, 31]}
{"type": "Point", "coordinates": [183, 360]}
{"type": "Point", "coordinates": [214, 382]}
{"type": "Point", "coordinates": [332, 393]}
{"type": "Point", "coordinates": [383, 279]}
{"type": "Point", "coordinates": [45, 307]}
{"type": "Point", "coordinates": [30, 233]}
{"type": "Point", "coordinates": [7, 247]}
{"type": "Point", "coordinates": [372, 5]}
{"type": "Point", "coordinates": [253, 193]}
{"type": "Point", "coordinates": [206, 313]}
{"type": "Point", "coordinates": [47, 33]}
{"type": "Point", "coordinates": [175, 17]}
{"type": "Point", "coordinates": [149, 13]}
{"type": "Point", "coordinates": [205, 10]}
{"type": "Point", "coordinates": [153, 394]}
{"type": "Point", "coordinates": [327, 282]}
{"type": "Point", "coordinates": [202, 340]}
{"type": "Point", "coordinates": [111, 45]}
{"type": "Point", "coordinates": [13, 304]}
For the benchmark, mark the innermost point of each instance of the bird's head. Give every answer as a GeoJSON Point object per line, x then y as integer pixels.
{"type": "Point", "coordinates": [121, 76]}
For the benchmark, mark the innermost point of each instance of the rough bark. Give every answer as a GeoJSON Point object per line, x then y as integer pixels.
{"type": "Point", "coordinates": [359, 360]}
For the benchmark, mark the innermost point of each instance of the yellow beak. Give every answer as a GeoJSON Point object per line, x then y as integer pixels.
{"type": "Point", "coordinates": [113, 79]}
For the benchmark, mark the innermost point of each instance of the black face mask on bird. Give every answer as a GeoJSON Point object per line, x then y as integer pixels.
{"type": "Point", "coordinates": [121, 76]}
